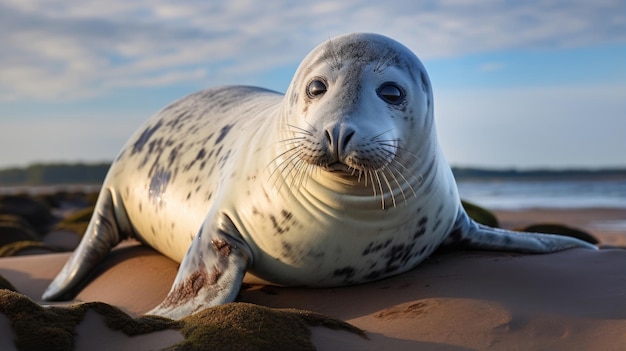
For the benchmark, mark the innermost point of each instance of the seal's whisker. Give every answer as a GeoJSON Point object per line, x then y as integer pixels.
{"type": "Point", "coordinates": [283, 154]}
{"type": "Point", "coordinates": [401, 162]}
{"type": "Point", "coordinates": [309, 172]}
{"type": "Point", "coordinates": [406, 181]}
{"type": "Point", "coordinates": [380, 187]}
{"type": "Point", "coordinates": [301, 130]}
{"type": "Point", "coordinates": [418, 179]}
{"type": "Point", "coordinates": [287, 159]}
{"type": "Point", "coordinates": [302, 175]}
{"type": "Point", "coordinates": [371, 176]}
{"type": "Point", "coordinates": [359, 176]}
{"type": "Point", "coordinates": [291, 139]}
{"type": "Point", "coordinates": [386, 180]}
{"type": "Point", "coordinates": [399, 148]}
{"type": "Point", "coordinates": [375, 137]}
{"type": "Point", "coordinates": [391, 170]}
{"type": "Point", "coordinates": [385, 141]}
{"type": "Point", "coordinates": [288, 164]}
{"type": "Point", "coordinates": [295, 173]}
{"type": "Point", "coordinates": [295, 162]}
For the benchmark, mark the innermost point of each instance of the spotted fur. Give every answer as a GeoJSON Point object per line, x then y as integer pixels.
{"type": "Point", "coordinates": [340, 187]}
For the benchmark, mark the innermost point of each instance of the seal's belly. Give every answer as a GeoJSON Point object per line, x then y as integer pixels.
{"type": "Point", "coordinates": [294, 245]}
{"type": "Point", "coordinates": [343, 255]}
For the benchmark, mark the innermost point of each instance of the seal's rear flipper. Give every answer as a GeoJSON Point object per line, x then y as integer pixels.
{"type": "Point", "coordinates": [211, 273]}
{"type": "Point", "coordinates": [472, 235]}
{"type": "Point", "coordinates": [102, 234]}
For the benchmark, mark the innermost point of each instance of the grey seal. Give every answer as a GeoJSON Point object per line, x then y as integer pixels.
{"type": "Point", "coordinates": [340, 181]}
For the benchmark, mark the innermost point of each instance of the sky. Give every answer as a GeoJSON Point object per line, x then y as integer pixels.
{"type": "Point", "coordinates": [517, 84]}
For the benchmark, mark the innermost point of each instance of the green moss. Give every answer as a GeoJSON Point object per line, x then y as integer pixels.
{"type": "Point", "coordinates": [234, 326]}
{"type": "Point", "coordinates": [36, 328]}
{"type": "Point", "coordinates": [15, 220]}
{"type": "Point", "coordinates": [53, 328]}
{"type": "Point", "coordinates": [480, 214]}
{"type": "Point", "coordinates": [76, 222]}
{"type": "Point", "coordinates": [243, 326]}
{"type": "Point", "coordinates": [14, 248]}
{"type": "Point", "coordinates": [559, 229]}
{"type": "Point", "coordinates": [35, 212]}
{"type": "Point", "coordinates": [13, 231]}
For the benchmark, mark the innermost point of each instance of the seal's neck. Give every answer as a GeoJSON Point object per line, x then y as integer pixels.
{"type": "Point", "coordinates": [336, 191]}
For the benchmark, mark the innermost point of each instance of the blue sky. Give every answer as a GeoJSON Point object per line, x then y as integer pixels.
{"type": "Point", "coordinates": [521, 84]}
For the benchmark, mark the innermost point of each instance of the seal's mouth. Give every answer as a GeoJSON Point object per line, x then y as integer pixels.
{"type": "Point", "coordinates": [339, 167]}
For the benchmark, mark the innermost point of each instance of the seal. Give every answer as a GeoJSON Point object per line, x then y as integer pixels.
{"type": "Point", "coordinates": [340, 181]}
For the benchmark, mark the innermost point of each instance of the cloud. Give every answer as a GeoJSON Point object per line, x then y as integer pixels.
{"type": "Point", "coordinates": [60, 49]}
{"type": "Point", "coordinates": [491, 66]}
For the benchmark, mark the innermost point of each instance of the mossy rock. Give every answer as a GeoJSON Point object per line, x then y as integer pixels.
{"type": "Point", "coordinates": [480, 214]}
{"type": "Point", "coordinates": [92, 197]}
{"type": "Point", "coordinates": [17, 247]}
{"type": "Point", "coordinates": [14, 231]}
{"type": "Point", "coordinates": [244, 326]}
{"type": "Point", "coordinates": [53, 328]}
{"type": "Point", "coordinates": [13, 219]}
{"type": "Point", "coordinates": [68, 199]}
{"type": "Point", "coordinates": [76, 222]}
{"type": "Point", "coordinates": [36, 213]}
{"type": "Point", "coordinates": [28, 248]}
{"type": "Point", "coordinates": [234, 326]}
{"type": "Point", "coordinates": [559, 229]}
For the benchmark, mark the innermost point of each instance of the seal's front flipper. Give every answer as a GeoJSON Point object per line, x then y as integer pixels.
{"type": "Point", "coordinates": [211, 273]}
{"type": "Point", "coordinates": [103, 233]}
{"type": "Point", "coordinates": [477, 236]}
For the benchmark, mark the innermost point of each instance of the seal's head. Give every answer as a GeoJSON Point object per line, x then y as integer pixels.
{"type": "Point", "coordinates": [360, 105]}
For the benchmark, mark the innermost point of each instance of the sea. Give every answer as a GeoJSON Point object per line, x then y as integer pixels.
{"type": "Point", "coordinates": [516, 195]}
{"type": "Point", "coordinates": [552, 193]}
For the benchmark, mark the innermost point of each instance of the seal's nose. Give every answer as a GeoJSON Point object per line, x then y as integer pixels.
{"type": "Point", "coordinates": [338, 138]}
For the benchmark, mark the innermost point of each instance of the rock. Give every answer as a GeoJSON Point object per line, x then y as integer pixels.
{"type": "Point", "coordinates": [36, 213]}
{"type": "Point", "coordinates": [480, 214]}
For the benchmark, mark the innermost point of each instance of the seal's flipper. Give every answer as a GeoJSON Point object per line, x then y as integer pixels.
{"type": "Point", "coordinates": [211, 272]}
{"type": "Point", "coordinates": [102, 234]}
{"type": "Point", "coordinates": [477, 236]}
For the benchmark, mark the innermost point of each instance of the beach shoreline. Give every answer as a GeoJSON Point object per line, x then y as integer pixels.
{"type": "Point", "coordinates": [606, 224]}
{"type": "Point", "coordinates": [455, 300]}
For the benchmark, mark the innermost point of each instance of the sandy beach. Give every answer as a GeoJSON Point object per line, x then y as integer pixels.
{"type": "Point", "coordinates": [456, 300]}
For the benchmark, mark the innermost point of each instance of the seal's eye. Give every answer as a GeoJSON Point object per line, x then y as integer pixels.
{"type": "Point", "coordinates": [316, 88]}
{"type": "Point", "coordinates": [391, 93]}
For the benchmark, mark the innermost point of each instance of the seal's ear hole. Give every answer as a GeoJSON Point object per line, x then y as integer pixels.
{"type": "Point", "coordinates": [391, 93]}
{"type": "Point", "coordinates": [316, 88]}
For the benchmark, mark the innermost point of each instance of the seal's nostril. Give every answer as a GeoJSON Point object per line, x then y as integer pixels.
{"type": "Point", "coordinates": [346, 139]}
{"type": "Point", "coordinates": [329, 137]}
